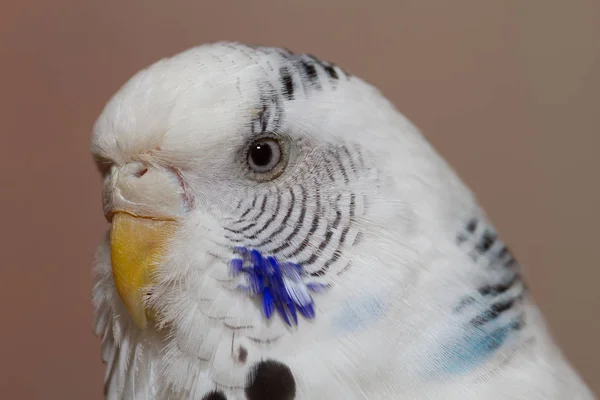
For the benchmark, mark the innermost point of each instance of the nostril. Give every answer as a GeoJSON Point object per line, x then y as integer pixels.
{"type": "Point", "coordinates": [141, 173]}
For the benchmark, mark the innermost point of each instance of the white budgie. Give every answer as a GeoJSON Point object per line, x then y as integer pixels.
{"type": "Point", "coordinates": [280, 231]}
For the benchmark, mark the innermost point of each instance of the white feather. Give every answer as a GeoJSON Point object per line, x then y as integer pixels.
{"type": "Point", "coordinates": [386, 313]}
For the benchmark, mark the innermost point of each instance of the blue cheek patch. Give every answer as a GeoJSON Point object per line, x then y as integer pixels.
{"type": "Point", "coordinates": [281, 286]}
{"type": "Point", "coordinates": [358, 314]}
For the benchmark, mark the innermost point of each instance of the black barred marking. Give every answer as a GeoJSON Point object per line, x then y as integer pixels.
{"type": "Point", "coordinates": [271, 113]}
{"type": "Point", "coordinates": [253, 224]}
{"type": "Point", "coordinates": [270, 220]}
{"type": "Point", "coordinates": [287, 82]}
{"type": "Point", "coordinates": [464, 303]}
{"type": "Point", "coordinates": [487, 240]}
{"type": "Point", "coordinates": [328, 235]}
{"type": "Point", "coordinates": [346, 268]}
{"type": "Point", "coordinates": [325, 241]}
{"type": "Point", "coordinates": [341, 166]}
{"type": "Point", "coordinates": [336, 254]}
{"type": "Point", "coordinates": [329, 170]}
{"type": "Point", "coordinates": [366, 203]}
{"type": "Point", "coordinates": [512, 262]}
{"type": "Point", "coordinates": [248, 210]}
{"type": "Point", "coordinates": [318, 206]}
{"type": "Point", "coordinates": [314, 256]}
{"type": "Point", "coordinates": [263, 206]}
{"type": "Point", "coordinates": [306, 68]}
{"type": "Point", "coordinates": [344, 72]}
{"type": "Point", "coordinates": [358, 239]}
{"type": "Point", "coordinates": [343, 236]}
{"type": "Point", "coordinates": [242, 230]}
{"type": "Point", "coordinates": [494, 290]}
{"type": "Point", "coordinates": [283, 225]}
{"type": "Point", "coordinates": [327, 66]}
{"type": "Point", "coordinates": [519, 323]}
{"type": "Point", "coordinates": [294, 69]}
{"type": "Point", "coordinates": [503, 252]}
{"type": "Point", "coordinates": [263, 118]}
{"type": "Point", "coordinates": [316, 225]}
{"type": "Point", "coordinates": [311, 74]}
{"type": "Point", "coordinates": [350, 160]}
{"type": "Point", "coordinates": [494, 311]}
{"type": "Point", "coordinates": [361, 161]}
{"type": "Point", "coordinates": [484, 245]}
{"type": "Point", "coordinates": [313, 229]}
{"type": "Point", "coordinates": [472, 225]}
{"type": "Point", "coordinates": [297, 226]}
{"type": "Point", "coordinates": [239, 204]}
{"type": "Point", "coordinates": [338, 212]}
{"type": "Point", "coordinates": [331, 71]}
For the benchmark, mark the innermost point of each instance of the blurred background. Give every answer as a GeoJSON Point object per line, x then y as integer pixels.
{"type": "Point", "coordinates": [507, 91]}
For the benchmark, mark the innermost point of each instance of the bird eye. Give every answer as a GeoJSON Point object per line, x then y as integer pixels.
{"type": "Point", "coordinates": [264, 155]}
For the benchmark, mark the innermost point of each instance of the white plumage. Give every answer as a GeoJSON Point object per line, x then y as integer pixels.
{"type": "Point", "coordinates": [424, 300]}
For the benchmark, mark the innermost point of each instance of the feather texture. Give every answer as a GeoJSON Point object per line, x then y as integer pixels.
{"type": "Point", "coordinates": [358, 267]}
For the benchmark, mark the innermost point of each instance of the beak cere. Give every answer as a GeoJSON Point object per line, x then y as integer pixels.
{"type": "Point", "coordinates": [137, 245]}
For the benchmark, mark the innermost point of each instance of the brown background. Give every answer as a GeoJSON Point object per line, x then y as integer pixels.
{"type": "Point", "coordinates": [508, 91]}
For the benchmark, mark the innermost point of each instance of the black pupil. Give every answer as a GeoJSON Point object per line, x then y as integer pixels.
{"type": "Point", "coordinates": [261, 154]}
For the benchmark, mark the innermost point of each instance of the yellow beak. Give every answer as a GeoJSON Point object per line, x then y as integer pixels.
{"type": "Point", "coordinates": [137, 245]}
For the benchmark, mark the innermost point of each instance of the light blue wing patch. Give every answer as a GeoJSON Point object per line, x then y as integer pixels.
{"type": "Point", "coordinates": [493, 310]}
{"type": "Point", "coordinates": [472, 349]}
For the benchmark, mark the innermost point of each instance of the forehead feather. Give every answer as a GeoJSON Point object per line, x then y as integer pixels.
{"type": "Point", "coordinates": [213, 92]}
{"type": "Point", "coordinates": [209, 89]}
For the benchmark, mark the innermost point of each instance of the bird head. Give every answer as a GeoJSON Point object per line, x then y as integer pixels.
{"type": "Point", "coordinates": [227, 152]}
